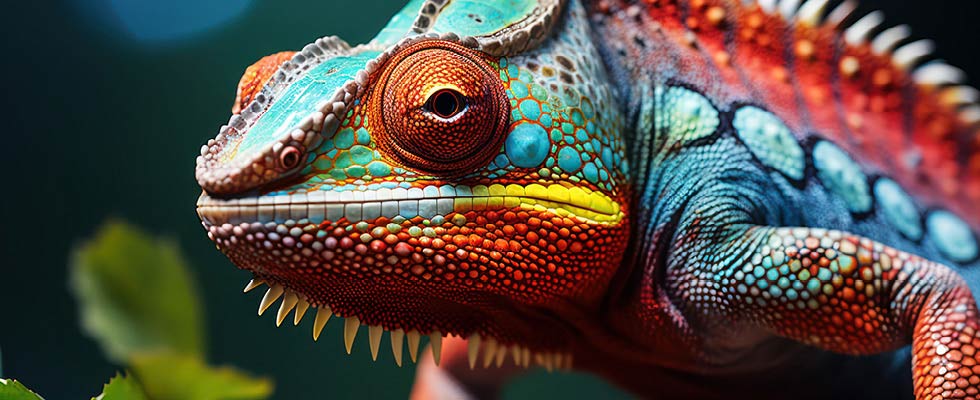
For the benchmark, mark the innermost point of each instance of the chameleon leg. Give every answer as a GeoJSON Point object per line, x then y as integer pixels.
{"type": "Point", "coordinates": [847, 294]}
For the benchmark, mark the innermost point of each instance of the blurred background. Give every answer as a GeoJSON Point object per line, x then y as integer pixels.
{"type": "Point", "coordinates": [105, 105]}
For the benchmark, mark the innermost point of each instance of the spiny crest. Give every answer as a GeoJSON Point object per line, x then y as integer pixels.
{"type": "Point", "coordinates": [941, 159]}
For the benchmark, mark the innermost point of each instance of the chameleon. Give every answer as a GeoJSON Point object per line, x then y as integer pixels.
{"type": "Point", "coordinates": [688, 198]}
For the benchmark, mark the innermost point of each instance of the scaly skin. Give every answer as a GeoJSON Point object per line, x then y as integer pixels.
{"type": "Point", "coordinates": [688, 198]}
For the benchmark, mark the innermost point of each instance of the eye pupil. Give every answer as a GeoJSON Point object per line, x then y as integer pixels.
{"type": "Point", "coordinates": [445, 103]}
{"type": "Point", "coordinates": [289, 158]}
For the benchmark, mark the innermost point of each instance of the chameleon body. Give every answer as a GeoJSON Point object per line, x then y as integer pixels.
{"type": "Point", "coordinates": [705, 197]}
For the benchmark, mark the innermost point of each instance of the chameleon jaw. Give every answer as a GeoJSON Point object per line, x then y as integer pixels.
{"type": "Point", "coordinates": [411, 249]}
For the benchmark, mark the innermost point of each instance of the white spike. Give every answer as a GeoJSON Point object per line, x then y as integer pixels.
{"type": "Point", "coordinates": [252, 284]}
{"type": "Point", "coordinates": [288, 303]}
{"type": "Point", "coordinates": [858, 33]}
{"type": "Point", "coordinates": [788, 8]}
{"type": "Point", "coordinates": [350, 332]}
{"type": "Point", "coordinates": [938, 73]}
{"type": "Point", "coordinates": [435, 341]}
{"type": "Point", "coordinates": [841, 12]}
{"type": "Point", "coordinates": [374, 339]}
{"type": "Point", "coordinates": [301, 308]}
{"type": "Point", "coordinates": [271, 296]}
{"type": "Point", "coordinates": [886, 41]}
{"type": "Point", "coordinates": [397, 337]}
{"type": "Point", "coordinates": [908, 54]}
{"type": "Point", "coordinates": [957, 95]}
{"type": "Point", "coordinates": [323, 315]}
{"type": "Point", "coordinates": [549, 362]}
{"type": "Point", "coordinates": [970, 114]}
{"type": "Point", "coordinates": [473, 349]}
{"type": "Point", "coordinates": [811, 11]}
{"type": "Point", "coordinates": [489, 352]}
{"type": "Point", "coordinates": [501, 354]}
{"type": "Point", "coordinates": [515, 352]}
{"type": "Point", "coordinates": [413, 344]}
{"type": "Point", "coordinates": [769, 6]}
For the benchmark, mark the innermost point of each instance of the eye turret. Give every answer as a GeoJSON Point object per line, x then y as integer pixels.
{"type": "Point", "coordinates": [443, 109]}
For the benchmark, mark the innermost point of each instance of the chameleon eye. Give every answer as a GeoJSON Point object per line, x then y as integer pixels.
{"type": "Point", "coordinates": [442, 107]}
{"type": "Point", "coordinates": [289, 157]}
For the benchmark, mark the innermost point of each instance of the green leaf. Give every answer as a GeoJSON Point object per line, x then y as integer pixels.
{"type": "Point", "coordinates": [170, 376]}
{"type": "Point", "coordinates": [12, 390]}
{"type": "Point", "coordinates": [122, 387]}
{"type": "Point", "coordinates": [135, 294]}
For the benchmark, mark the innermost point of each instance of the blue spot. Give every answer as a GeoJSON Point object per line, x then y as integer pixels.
{"type": "Point", "coordinates": [363, 137]}
{"type": "Point", "coordinates": [527, 145]}
{"type": "Point", "coordinates": [344, 139]}
{"type": "Point", "coordinates": [607, 157]}
{"type": "Point", "coordinates": [378, 169]}
{"type": "Point", "coordinates": [569, 160]}
{"type": "Point", "coordinates": [952, 236]}
{"type": "Point", "coordinates": [770, 140]}
{"type": "Point", "coordinates": [530, 109]}
{"type": "Point", "coordinates": [591, 172]}
{"type": "Point", "coordinates": [687, 115]}
{"type": "Point", "coordinates": [519, 90]}
{"type": "Point", "coordinates": [842, 176]}
{"type": "Point", "coordinates": [898, 208]}
{"type": "Point", "coordinates": [361, 155]}
{"type": "Point", "coordinates": [546, 120]}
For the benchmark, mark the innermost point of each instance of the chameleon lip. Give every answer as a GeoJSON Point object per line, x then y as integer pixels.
{"type": "Point", "coordinates": [426, 202]}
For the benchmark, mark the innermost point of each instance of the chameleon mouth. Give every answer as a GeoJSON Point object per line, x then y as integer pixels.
{"type": "Point", "coordinates": [272, 235]}
{"type": "Point", "coordinates": [362, 205]}
{"type": "Point", "coordinates": [482, 351]}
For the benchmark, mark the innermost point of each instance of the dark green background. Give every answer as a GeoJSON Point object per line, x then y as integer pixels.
{"type": "Point", "coordinates": [97, 124]}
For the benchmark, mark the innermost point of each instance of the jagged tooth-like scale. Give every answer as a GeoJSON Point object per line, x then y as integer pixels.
{"type": "Point", "coordinates": [413, 344]}
{"type": "Point", "coordinates": [374, 339]}
{"type": "Point", "coordinates": [301, 307]}
{"type": "Point", "coordinates": [841, 13]}
{"type": "Point", "coordinates": [473, 349]}
{"type": "Point", "coordinates": [270, 297]}
{"type": "Point", "coordinates": [788, 8]}
{"type": "Point", "coordinates": [811, 12]}
{"type": "Point", "coordinates": [288, 303]}
{"type": "Point", "coordinates": [252, 284]}
{"type": "Point", "coordinates": [907, 55]}
{"type": "Point", "coordinates": [350, 332]}
{"type": "Point", "coordinates": [397, 337]}
{"type": "Point", "coordinates": [500, 355]}
{"type": "Point", "coordinates": [938, 73]}
{"type": "Point", "coordinates": [859, 33]}
{"type": "Point", "coordinates": [489, 352]}
{"type": "Point", "coordinates": [886, 41]}
{"type": "Point", "coordinates": [526, 357]}
{"type": "Point", "coordinates": [323, 315]}
{"type": "Point", "coordinates": [435, 341]}
{"type": "Point", "coordinates": [515, 352]}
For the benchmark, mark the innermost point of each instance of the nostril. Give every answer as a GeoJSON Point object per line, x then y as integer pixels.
{"type": "Point", "coordinates": [289, 157]}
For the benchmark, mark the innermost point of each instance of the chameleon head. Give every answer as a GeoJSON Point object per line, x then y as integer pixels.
{"type": "Point", "coordinates": [434, 183]}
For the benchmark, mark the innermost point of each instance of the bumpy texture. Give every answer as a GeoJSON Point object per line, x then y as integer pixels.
{"type": "Point", "coordinates": [690, 198]}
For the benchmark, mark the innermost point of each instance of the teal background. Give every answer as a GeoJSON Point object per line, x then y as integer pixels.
{"type": "Point", "coordinates": [105, 104]}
